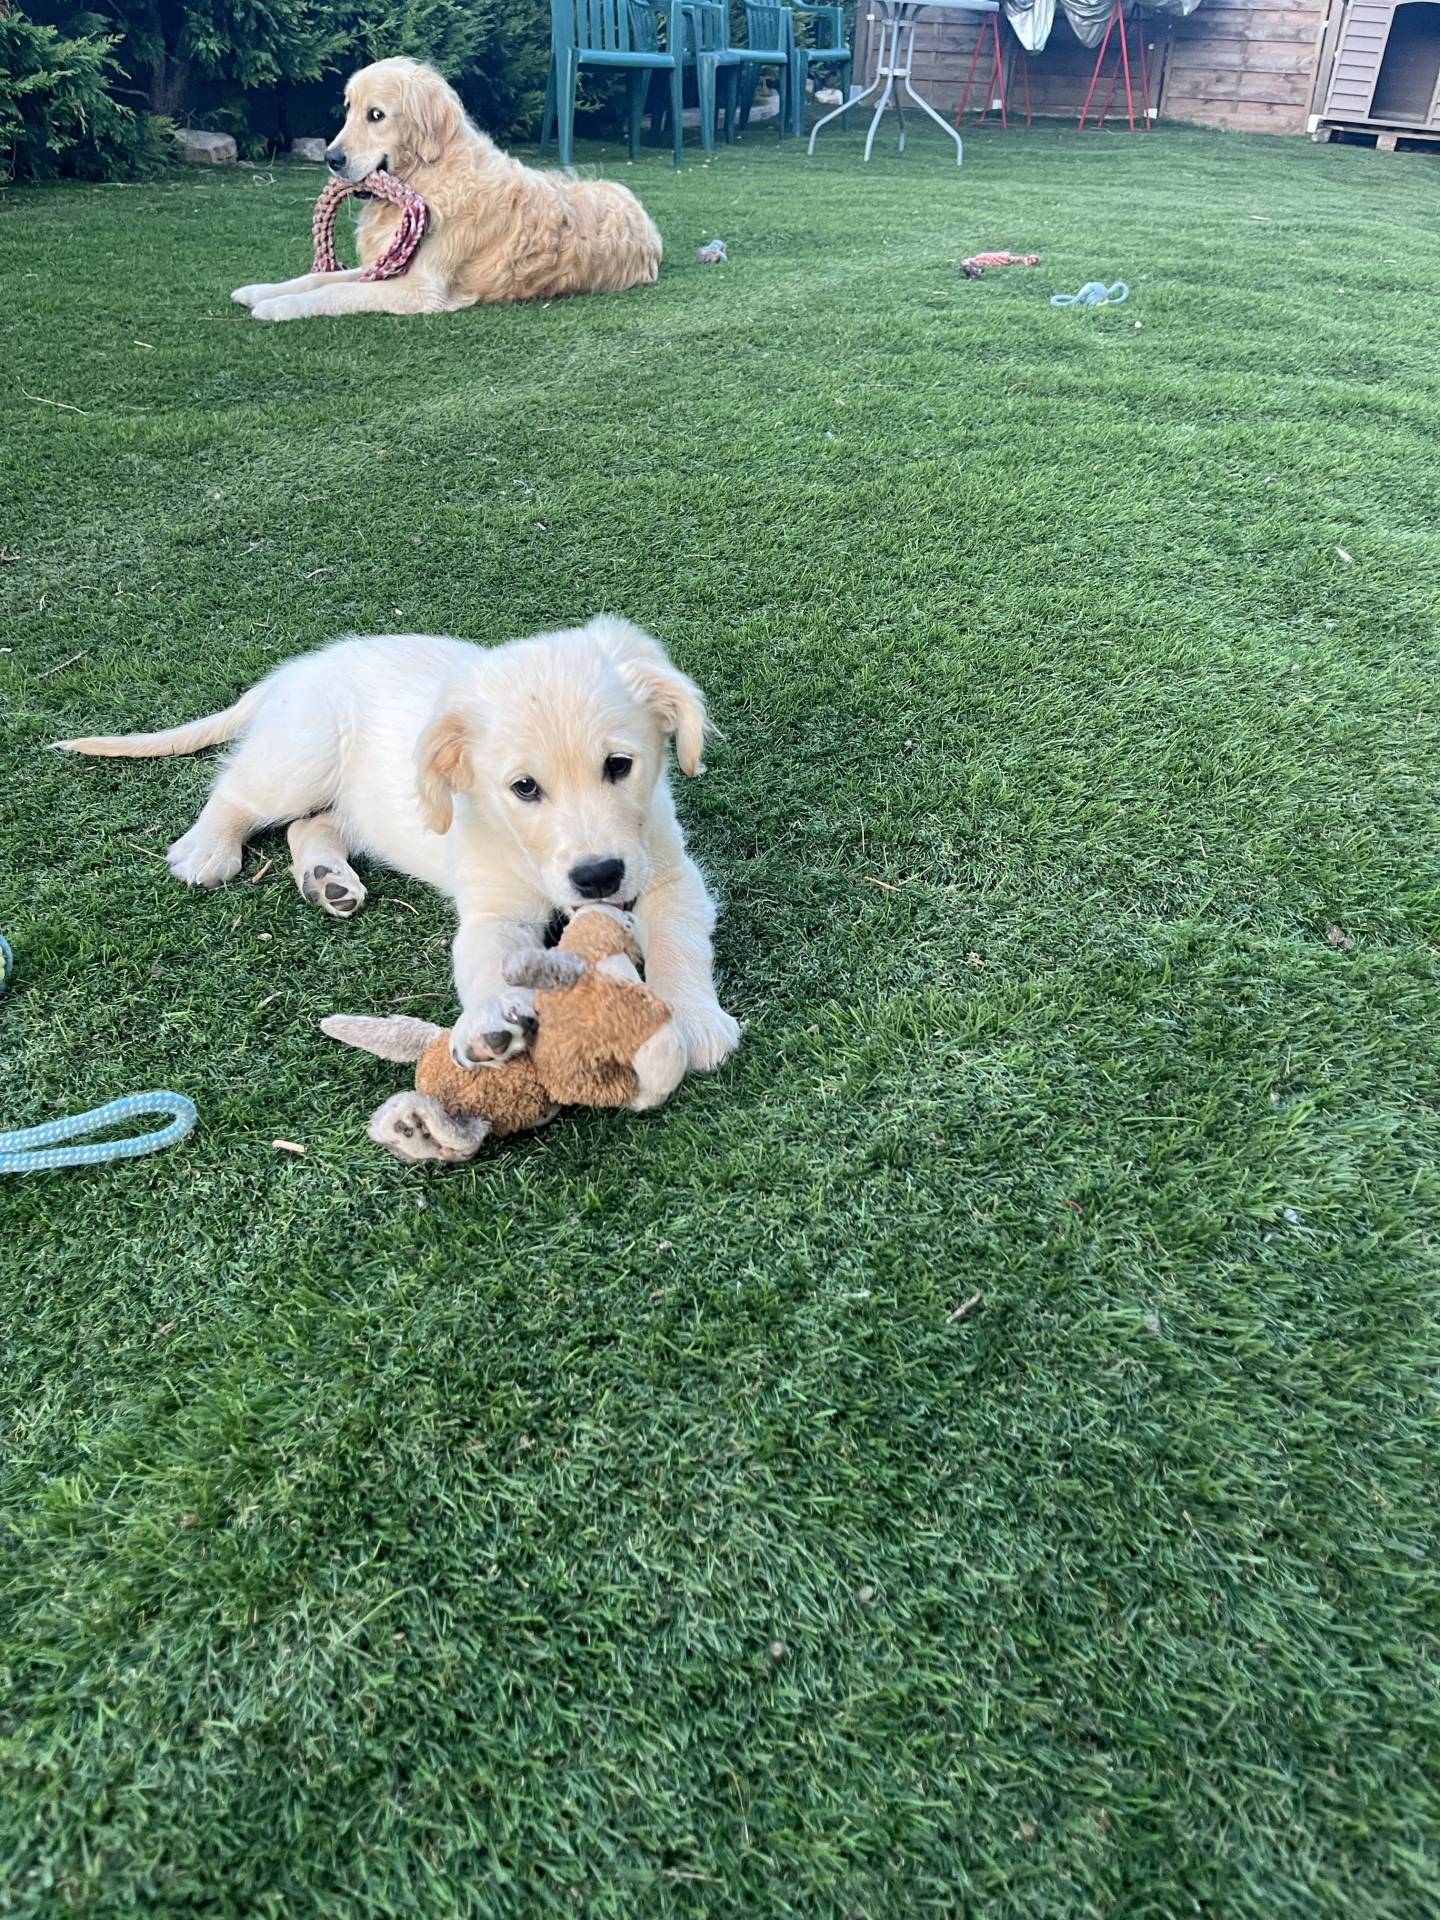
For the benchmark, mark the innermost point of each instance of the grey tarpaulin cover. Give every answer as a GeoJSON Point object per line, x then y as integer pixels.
{"type": "Point", "coordinates": [1033, 19]}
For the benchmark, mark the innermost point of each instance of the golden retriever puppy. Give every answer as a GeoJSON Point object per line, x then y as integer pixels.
{"type": "Point", "coordinates": [520, 780]}
{"type": "Point", "coordinates": [498, 230]}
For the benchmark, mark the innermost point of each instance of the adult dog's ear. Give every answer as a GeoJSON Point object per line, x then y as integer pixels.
{"type": "Point", "coordinates": [432, 114]}
{"type": "Point", "coordinates": [444, 766]}
{"type": "Point", "coordinates": [651, 675]}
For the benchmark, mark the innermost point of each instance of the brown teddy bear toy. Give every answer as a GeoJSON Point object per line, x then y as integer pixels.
{"type": "Point", "coordinates": [602, 1039]}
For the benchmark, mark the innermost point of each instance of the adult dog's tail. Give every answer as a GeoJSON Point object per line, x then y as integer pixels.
{"type": "Point", "coordinates": [208, 732]}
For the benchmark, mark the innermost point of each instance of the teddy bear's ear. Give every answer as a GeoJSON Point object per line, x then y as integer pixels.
{"type": "Point", "coordinates": [546, 972]}
{"type": "Point", "coordinates": [398, 1037]}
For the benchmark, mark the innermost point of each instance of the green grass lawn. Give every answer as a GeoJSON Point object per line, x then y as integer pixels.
{"type": "Point", "coordinates": [626, 1524]}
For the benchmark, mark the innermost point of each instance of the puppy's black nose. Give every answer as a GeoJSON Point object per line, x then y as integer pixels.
{"type": "Point", "coordinates": [594, 879]}
{"type": "Point", "coordinates": [335, 158]}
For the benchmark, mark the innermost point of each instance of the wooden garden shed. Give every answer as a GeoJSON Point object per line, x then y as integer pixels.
{"type": "Point", "coordinates": [1367, 67]}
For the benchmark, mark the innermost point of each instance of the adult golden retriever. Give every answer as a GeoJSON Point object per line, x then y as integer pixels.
{"type": "Point", "coordinates": [517, 779]}
{"type": "Point", "coordinates": [498, 230]}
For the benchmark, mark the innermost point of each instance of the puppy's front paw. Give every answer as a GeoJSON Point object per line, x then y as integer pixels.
{"type": "Point", "coordinates": [495, 1031]}
{"type": "Point", "coordinates": [710, 1035]}
{"type": "Point", "coordinates": [251, 296]}
{"type": "Point", "coordinates": [659, 1068]}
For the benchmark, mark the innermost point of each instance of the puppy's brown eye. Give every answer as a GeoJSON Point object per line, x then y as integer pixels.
{"type": "Point", "coordinates": [374, 116]}
{"type": "Point", "coordinates": [526, 789]}
{"type": "Point", "coordinates": [617, 766]}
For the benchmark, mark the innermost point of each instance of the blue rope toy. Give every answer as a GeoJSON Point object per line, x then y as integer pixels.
{"type": "Point", "coordinates": [33, 1149]}
{"type": "Point", "coordinates": [1094, 293]}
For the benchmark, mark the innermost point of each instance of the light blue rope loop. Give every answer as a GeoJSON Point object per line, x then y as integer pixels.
{"type": "Point", "coordinates": [1094, 293]}
{"type": "Point", "coordinates": [34, 1149]}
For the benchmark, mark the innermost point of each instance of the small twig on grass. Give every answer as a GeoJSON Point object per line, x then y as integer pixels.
{"type": "Point", "coordinates": [965, 1307]}
{"type": "Point", "coordinates": [268, 998]}
{"type": "Point", "coordinates": [1200, 1541]}
{"type": "Point", "coordinates": [63, 664]}
{"type": "Point", "coordinates": [64, 405]}
{"type": "Point", "coordinates": [435, 993]}
{"type": "Point", "coordinates": [886, 885]}
{"type": "Point", "coordinates": [288, 1146]}
{"type": "Point", "coordinates": [256, 878]}
{"type": "Point", "coordinates": [395, 901]}
{"type": "Point", "coordinates": [150, 853]}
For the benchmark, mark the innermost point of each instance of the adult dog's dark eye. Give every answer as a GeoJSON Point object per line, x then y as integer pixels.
{"type": "Point", "coordinates": [526, 789]}
{"type": "Point", "coordinates": [374, 116]}
{"type": "Point", "coordinates": [617, 766]}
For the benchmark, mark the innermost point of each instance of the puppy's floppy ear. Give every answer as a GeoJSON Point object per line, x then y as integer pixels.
{"type": "Point", "coordinates": [654, 679]}
{"type": "Point", "coordinates": [433, 114]}
{"type": "Point", "coordinates": [444, 765]}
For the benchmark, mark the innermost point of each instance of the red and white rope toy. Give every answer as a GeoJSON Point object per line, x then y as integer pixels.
{"type": "Point", "coordinates": [977, 263]}
{"type": "Point", "coordinates": [414, 217]}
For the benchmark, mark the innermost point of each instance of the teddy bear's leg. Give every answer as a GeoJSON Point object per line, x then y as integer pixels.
{"type": "Point", "coordinates": [415, 1127]}
{"type": "Point", "coordinates": [659, 1068]}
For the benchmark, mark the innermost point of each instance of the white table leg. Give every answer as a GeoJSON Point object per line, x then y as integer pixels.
{"type": "Point", "coordinates": [944, 125]}
{"type": "Point", "coordinates": [879, 111]}
{"type": "Point", "coordinates": [864, 93]}
{"type": "Point", "coordinates": [894, 62]}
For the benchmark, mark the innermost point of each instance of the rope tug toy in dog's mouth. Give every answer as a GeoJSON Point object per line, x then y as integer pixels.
{"type": "Point", "coordinates": [414, 217]}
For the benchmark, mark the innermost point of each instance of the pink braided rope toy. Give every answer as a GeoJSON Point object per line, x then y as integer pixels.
{"type": "Point", "coordinates": [977, 263]}
{"type": "Point", "coordinates": [414, 216]}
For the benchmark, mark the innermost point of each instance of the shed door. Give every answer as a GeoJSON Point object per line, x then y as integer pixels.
{"type": "Point", "coordinates": [1410, 71]}
{"type": "Point", "coordinates": [1387, 64]}
{"type": "Point", "coordinates": [1357, 59]}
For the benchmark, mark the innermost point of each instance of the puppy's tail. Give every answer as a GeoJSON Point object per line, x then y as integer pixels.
{"type": "Point", "coordinates": [208, 732]}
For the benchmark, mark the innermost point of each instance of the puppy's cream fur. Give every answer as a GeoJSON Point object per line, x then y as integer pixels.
{"type": "Point", "coordinates": [409, 749]}
{"type": "Point", "coordinates": [498, 230]}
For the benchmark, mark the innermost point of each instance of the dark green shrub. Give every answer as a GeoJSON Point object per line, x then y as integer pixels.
{"type": "Point", "coordinates": [58, 110]}
{"type": "Point", "coordinates": [275, 68]}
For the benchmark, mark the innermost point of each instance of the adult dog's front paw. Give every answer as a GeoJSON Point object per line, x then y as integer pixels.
{"type": "Point", "coordinates": [710, 1035]}
{"type": "Point", "coordinates": [250, 296]}
{"type": "Point", "coordinates": [283, 306]}
{"type": "Point", "coordinates": [495, 1031]}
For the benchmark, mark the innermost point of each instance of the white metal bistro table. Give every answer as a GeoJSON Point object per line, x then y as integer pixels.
{"type": "Point", "coordinates": [894, 59]}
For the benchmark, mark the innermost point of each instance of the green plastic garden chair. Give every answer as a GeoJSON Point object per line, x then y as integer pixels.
{"type": "Point", "coordinates": [716, 61]}
{"type": "Point", "coordinates": [819, 42]}
{"type": "Point", "coordinates": [770, 31]}
{"type": "Point", "coordinates": [621, 36]}
{"type": "Point", "coordinates": [706, 48]}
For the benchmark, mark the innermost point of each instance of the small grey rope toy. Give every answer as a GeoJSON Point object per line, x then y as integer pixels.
{"type": "Point", "coordinates": [710, 253]}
